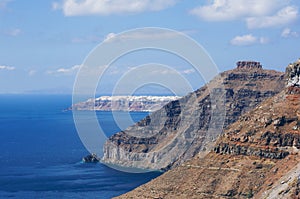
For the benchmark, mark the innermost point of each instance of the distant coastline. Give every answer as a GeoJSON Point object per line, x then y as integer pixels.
{"type": "Point", "coordinates": [124, 103]}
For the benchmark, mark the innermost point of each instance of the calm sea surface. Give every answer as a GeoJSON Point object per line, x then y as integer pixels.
{"type": "Point", "coordinates": [40, 152]}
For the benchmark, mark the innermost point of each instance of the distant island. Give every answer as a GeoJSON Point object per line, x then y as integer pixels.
{"type": "Point", "coordinates": [124, 103]}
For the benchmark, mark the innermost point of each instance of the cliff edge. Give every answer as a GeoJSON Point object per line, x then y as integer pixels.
{"type": "Point", "coordinates": [179, 130]}
{"type": "Point", "coordinates": [256, 157]}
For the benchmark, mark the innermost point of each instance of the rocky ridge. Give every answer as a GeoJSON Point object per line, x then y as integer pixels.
{"type": "Point", "coordinates": [178, 131]}
{"type": "Point", "coordinates": [256, 157]}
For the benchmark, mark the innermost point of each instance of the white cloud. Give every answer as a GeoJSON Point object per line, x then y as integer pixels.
{"type": "Point", "coordinates": [13, 32]}
{"type": "Point", "coordinates": [282, 17]}
{"type": "Point", "coordinates": [56, 6]}
{"type": "Point", "coordinates": [256, 13]}
{"type": "Point", "coordinates": [3, 3]}
{"type": "Point", "coordinates": [222, 10]}
{"type": "Point", "coordinates": [243, 40]}
{"type": "Point", "coordinates": [6, 67]}
{"type": "Point", "coordinates": [141, 35]}
{"type": "Point", "coordinates": [107, 7]}
{"type": "Point", "coordinates": [287, 32]}
{"type": "Point", "coordinates": [32, 72]}
{"type": "Point", "coordinates": [246, 40]}
{"type": "Point", "coordinates": [188, 71]}
{"type": "Point", "coordinates": [65, 71]}
{"type": "Point", "coordinates": [264, 40]}
{"type": "Point", "coordinates": [163, 71]}
{"type": "Point", "coordinates": [109, 36]}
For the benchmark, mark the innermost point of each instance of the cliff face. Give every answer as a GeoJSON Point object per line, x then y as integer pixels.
{"type": "Point", "coordinates": [178, 131]}
{"type": "Point", "coordinates": [293, 79]}
{"type": "Point", "coordinates": [256, 157]}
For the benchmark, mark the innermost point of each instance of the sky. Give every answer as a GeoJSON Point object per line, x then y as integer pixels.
{"type": "Point", "coordinates": [44, 43]}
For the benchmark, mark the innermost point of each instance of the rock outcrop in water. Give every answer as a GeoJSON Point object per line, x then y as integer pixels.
{"type": "Point", "coordinates": [256, 157]}
{"type": "Point", "coordinates": [184, 127]}
{"type": "Point", "coordinates": [91, 158]}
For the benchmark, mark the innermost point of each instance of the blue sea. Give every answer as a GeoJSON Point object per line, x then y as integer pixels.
{"type": "Point", "coordinates": [40, 152]}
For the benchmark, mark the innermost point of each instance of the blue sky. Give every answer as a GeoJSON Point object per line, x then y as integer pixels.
{"type": "Point", "coordinates": [43, 43]}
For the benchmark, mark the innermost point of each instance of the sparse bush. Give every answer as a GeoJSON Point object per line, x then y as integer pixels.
{"type": "Point", "coordinates": [250, 194]}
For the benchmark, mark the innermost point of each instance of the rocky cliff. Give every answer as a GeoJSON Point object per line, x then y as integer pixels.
{"type": "Point", "coordinates": [256, 157]}
{"type": "Point", "coordinates": [181, 128]}
{"type": "Point", "coordinates": [293, 79]}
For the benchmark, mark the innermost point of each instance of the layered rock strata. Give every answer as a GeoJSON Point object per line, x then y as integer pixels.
{"type": "Point", "coordinates": [256, 157]}
{"type": "Point", "coordinates": [184, 127]}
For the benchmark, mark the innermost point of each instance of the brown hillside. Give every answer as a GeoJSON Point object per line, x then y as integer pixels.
{"type": "Point", "coordinates": [256, 157]}
{"type": "Point", "coordinates": [173, 135]}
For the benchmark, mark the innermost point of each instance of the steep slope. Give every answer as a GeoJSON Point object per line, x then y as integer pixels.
{"type": "Point", "coordinates": [178, 131]}
{"type": "Point", "coordinates": [256, 157]}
